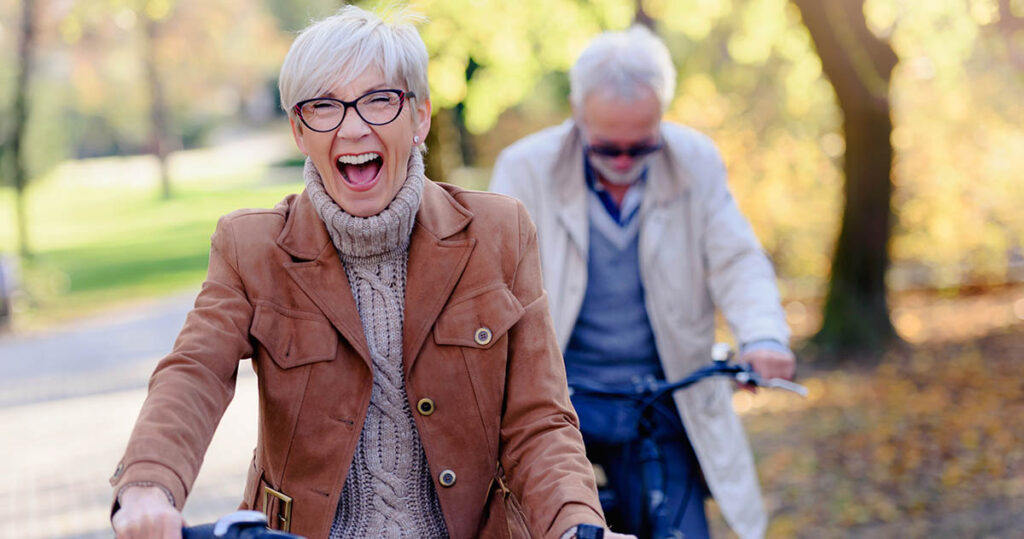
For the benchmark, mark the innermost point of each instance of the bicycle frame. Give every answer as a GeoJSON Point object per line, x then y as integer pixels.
{"type": "Point", "coordinates": [646, 396]}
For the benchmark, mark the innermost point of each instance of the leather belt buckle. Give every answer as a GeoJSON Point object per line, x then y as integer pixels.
{"type": "Point", "coordinates": [283, 518]}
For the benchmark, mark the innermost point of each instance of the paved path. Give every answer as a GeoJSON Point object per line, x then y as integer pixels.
{"type": "Point", "coordinates": [68, 399]}
{"type": "Point", "coordinates": [103, 352]}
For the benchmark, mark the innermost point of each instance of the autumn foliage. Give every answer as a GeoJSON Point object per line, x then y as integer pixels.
{"type": "Point", "coordinates": [925, 443]}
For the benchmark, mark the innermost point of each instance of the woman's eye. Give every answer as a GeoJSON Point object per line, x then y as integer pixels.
{"type": "Point", "coordinates": [324, 106]}
{"type": "Point", "coordinates": [380, 100]}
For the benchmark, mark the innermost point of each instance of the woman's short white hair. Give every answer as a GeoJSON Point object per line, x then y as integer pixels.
{"type": "Point", "coordinates": [337, 49]}
{"type": "Point", "coordinates": [622, 63]}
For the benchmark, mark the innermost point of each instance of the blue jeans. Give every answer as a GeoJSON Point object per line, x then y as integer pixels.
{"type": "Point", "coordinates": [684, 485]}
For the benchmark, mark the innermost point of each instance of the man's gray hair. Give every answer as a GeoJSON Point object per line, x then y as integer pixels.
{"type": "Point", "coordinates": [337, 49]}
{"type": "Point", "coordinates": [622, 63]}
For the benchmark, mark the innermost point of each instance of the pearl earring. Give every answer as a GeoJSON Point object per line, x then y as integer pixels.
{"type": "Point", "coordinates": [416, 139]}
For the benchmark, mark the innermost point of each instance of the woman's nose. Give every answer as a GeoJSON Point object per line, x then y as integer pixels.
{"type": "Point", "coordinates": [352, 125]}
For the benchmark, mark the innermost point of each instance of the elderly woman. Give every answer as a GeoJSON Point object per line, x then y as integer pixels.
{"type": "Point", "coordinates": [409, 377]}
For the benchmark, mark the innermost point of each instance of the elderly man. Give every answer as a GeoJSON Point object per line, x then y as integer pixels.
{"type": "Point", "coordinates": [640, 242]}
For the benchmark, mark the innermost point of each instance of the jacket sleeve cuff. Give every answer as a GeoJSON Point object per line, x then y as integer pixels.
{"type": "Point", "coordinates": [148, 472]}
{"type": "Point", "coordinates": [572, 514]}
{"type": "Point", "coordinates": [765, 344]}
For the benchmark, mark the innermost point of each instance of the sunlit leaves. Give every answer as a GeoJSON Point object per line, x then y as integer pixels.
{"type": "Point", "coordinates": [447, 76]}
{"type": "Point", "coordinates": [942, 30]}
{"type": "Point", "coordinates": [749, 77]}
{"type": "Point", "coordinates": [760, 27]}
{"type": "Point", "coordinates": [693, 18]}
{"type": "Point", "coordinates": [512, 45]}
{"type": "Point", "coordinates": [769, 128]}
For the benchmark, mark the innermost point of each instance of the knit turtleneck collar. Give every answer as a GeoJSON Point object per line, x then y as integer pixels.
{"type": "Point", "coordinates": [359, 237]}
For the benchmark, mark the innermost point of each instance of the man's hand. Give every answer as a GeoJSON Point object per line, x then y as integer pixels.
{"type": "Point", "coordinates": [147, 513]}
{"type": "Point", "coordinates": [770, 363]}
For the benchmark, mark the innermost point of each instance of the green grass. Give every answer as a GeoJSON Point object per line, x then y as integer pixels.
{"type": "Point", "coordinates": [101, 234]}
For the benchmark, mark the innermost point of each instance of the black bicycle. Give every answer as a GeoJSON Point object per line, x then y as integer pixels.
{"type": "Point", "coordinates": [237, 525]}
{"type": "Point", "coordinates": [642, 402]}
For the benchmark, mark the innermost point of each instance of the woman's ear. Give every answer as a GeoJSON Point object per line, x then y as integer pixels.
{"type": "Point", "coordinates": [298, 133]}
{"type": "Point", "coordinates": [422, 118]}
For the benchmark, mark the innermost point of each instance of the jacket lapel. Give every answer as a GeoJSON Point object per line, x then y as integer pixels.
{"type": "Point", "coordinates": [435, 265]}
{"type": "Point", "coordinates": [668, 180]}
{"type": "Point", "coordinates": [572, 190]}
{"type": "Point", "coordinates": [319, 273]}
{"type": "Point", "coordinates": [668, 174]}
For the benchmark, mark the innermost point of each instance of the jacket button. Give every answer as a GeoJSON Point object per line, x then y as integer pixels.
{"type": "Point", "coordinates": [425, 406]}
{"type": "Point", "coordinates": [482, 336]}
{"type": "Point", "coordinates": [447, 478]}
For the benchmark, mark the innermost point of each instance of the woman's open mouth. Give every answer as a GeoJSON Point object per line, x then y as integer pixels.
{"type": "Point", "coordinates": [360, 171]}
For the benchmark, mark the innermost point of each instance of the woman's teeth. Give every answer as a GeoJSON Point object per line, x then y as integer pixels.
{"type": "Point", "coordinates": [359, 169]}
{"type": "Point", "coordinates": [355, 159]}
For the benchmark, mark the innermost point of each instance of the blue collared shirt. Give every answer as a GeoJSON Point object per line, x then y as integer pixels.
{"type": "Point", "coordinates": [622, 215]}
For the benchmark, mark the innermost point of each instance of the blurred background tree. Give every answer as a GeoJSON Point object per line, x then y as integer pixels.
{"type": "Point", "coordinates": [859, 66]}
{"type": "Point", "coordinates": [115, 79]}
{"type": "Point", "coordinates": [12, 136]}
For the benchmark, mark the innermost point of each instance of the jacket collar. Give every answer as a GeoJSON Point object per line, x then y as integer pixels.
{"type": "Point", "coordinates": [440, 214]}
{"type": "Point", "coordinates": [668, 176]}
{"type": "Point", "coordinates": [305, 237]}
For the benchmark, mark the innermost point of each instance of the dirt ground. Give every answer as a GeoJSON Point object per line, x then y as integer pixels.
{"type": "Point", "coordinates": [923, 441]}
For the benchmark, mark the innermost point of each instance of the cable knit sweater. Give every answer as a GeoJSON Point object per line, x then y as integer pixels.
{"type": "Point", "coordinates": [388, 491]}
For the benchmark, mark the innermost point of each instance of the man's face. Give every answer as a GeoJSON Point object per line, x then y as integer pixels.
{"type": "Point", "coordinates": [611, 123]}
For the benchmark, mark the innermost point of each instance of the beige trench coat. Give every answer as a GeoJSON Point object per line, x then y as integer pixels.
{"type": "Point", "coordinates": [697, 251]}
{"type": "Point", "coordinates": [276, 292]}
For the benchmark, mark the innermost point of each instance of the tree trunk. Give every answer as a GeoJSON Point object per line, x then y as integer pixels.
{"type": "Point", "coordinates": [159, 129]}
{"type": "Point", "coordinates": [640, 17]}
{"type": "Point", "coordinates": [433, 164]}
{"type": "Point", "coordinates": [16, 164]}
{"type": "Point", "coordinates": [859, 66]}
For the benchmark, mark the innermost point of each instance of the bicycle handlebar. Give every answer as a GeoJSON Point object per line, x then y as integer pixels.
{"type": "Point", "coordinates": [237, 525]}
{"type": "Point", "coordinates": [652, 390]}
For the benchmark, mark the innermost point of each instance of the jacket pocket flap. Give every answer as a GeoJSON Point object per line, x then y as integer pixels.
{"type": "Point", "coordinates": [293, 338]}
{"type": "Point", "coordinates": [478, 319]}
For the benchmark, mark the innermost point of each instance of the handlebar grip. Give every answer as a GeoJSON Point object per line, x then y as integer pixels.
{"type": "Point", "coordinates": [237, 525]}
{"type": "Point", "coordinates": [203, 531]}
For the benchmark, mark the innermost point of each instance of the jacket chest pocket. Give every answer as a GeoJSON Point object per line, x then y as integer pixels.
{"type": "Point", "coordinates": [472, 337]}
{"type": "Point", "coordinates": [293, 338]}
{"type": "Point", "coordinates": [479, 319]}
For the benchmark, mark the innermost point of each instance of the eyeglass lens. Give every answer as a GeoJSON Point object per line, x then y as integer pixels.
{"type": "Point", "coordinates": [639, 150]}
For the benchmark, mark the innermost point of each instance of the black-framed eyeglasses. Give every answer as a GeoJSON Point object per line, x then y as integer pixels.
{"type": "Point", "coordinates": [379, 107]}
{"type": "Point", "coordinates": [637, 150]}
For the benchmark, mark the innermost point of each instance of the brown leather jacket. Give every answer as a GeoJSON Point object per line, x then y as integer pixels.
{"type": "Point", "coordinates": [478, 342]}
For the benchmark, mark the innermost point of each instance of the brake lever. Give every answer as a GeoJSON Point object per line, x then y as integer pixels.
{"type": "Point", "coordinates": [779, 383]}
{"type": "Point", "coordinates": [749, 376]}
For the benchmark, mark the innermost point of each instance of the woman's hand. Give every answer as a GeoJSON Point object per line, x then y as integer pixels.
{"type": "Point", "coordinates": [146, 513]}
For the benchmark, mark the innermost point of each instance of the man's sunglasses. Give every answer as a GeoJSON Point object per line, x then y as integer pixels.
{"type": "Point", "coordinates": [638, 150]}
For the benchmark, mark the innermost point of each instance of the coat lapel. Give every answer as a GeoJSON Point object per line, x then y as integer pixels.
{"type": "Point", "coordinates": [435, 265]}
{"type": "Point", "coordinates": [318, 271]}
{"type": "Point", "coordinates": [668, 180]}
{"type": "Point", "coordinates": [572, 190]}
